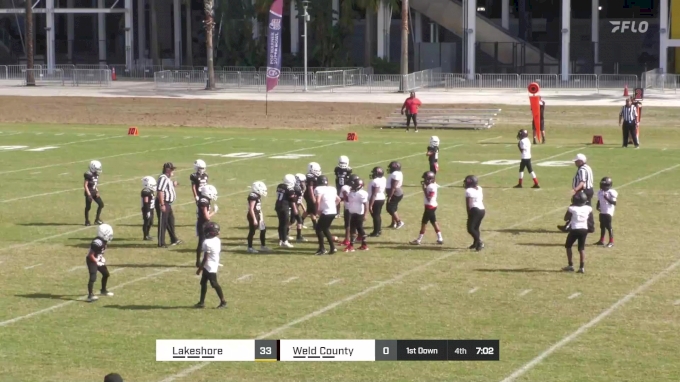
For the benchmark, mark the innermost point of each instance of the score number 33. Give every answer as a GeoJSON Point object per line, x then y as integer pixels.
{"type": "Point", "coordinates": [266, 350]}
{"type": "Point", "coordinates": [485, 350]}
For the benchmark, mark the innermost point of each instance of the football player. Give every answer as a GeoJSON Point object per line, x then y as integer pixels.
{"type": "Point", "coordinates": [606, 204]}
{"type": "Point", "coordinates": [97, 263]}
{"type": "Point", "coordinates": [302, 183]}
{"type": "Point", "coordinates": [394, 193]}
{"type": "Point", "coordinates": [313, 172]}
{"type": "Point", "coordinates": [285, 205]}
{"type": "Point", "coordinates": [148, 201]}
{"type": "Point", "coordinates": [342, 174]}
{"type": "Point", "coordinates": [344, 196]}
{"type": "Point", "coordinates": [212, 246]}
{"type": "Point", "coordinates": [358, 208]}
{"type": "Point", "coordinates": [524, 146]}
{"type": "Point", "coordinates": [326, 201]}
{"type": "Point", "coordinates": [207, 194]}
{"type": "Point", "coordinates": [377, 199]}
{"type": "Point", "coordinates": [430, 191]}
{"type": "Point", "coordinates": [433, 154]}
{"type": "Point", "coordinates": [92, 191]}
{"type": "Point", "coordinates": [199, 178]}
{"type": "Point", "coordinates": [580, 218]}
{"type": "Point", "coordinates": [296, 218]}
{"type": "Point", "coordinates": [255, 218]}
{"type": "Point", "coordinates": [474, 202]}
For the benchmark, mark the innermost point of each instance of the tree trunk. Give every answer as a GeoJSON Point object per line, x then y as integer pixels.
{"type": "Point", "coordinates": [404, 43]}
{"type": "Point", "coordinates": [30, 75]}
{"type": "Point", "coordinates": [209, 28]}
{"type": "Point", "coordinates": [190, 44]}
{"type": "Point", "coordinates": [368, 37]}
{"type": "Point", "coordinates": [154, 34]}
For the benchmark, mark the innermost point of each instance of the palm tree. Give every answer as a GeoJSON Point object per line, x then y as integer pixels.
{"type": "Point", "coordinates": [190, 44]}
{"type": "Point", "coordinates": [208, 6]}
{"type": "Point", "coordinates": [154, 33]}
{"type": "Point", "coordinates": [30, 75]}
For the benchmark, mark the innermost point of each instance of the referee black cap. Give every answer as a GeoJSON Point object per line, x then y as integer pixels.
{"type": "Point", "coordinates": [113, 377]}
{"type": "Point", "coordinates": [168, 165]}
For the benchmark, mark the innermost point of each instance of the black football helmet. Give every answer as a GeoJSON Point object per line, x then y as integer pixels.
{"type": "Point", "coordinates": [606, 183]}
{"type": "Point", "coordinates": [394, 166]}
{"type": "Point", "coordinates": [322, 180]}
{"type": "Point", "coordinates": [428, 177]}
{"type": "Point", "coordinates": [470, 181]}
{"type": "Point", "coordinates": [353, 177]}
{"type": "Point", "coordinates": [377, 172]}
{"type": "Point", "coordinates": [211, 229]}
{"type": "Point", "coordinates": [579, 199]}
{"type": "Point", "coordinates": [522, 134]}
{"type": "Point", "coordinates": [357, 184]}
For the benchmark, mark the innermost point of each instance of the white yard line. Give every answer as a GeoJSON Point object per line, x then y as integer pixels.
{"type": "Point", "coordinates": [333, 281]}
{"type": "Point", "coordinates": [244, 277]}
{"type": "Point", "coordinates": [525, 292]}
{"type": "Point", "coordinates": [76, 268]}
{"type": "Point", "coordinates": [33, 266]}
{"type": "Point", "coordinates": [426, 265]}
{"type": "Point", "coordinates": [110, 156]}
{"type": "Point", "coordinates": [286, 281]}
{"type": "Point", "coordinates": [63, 173]}
{"type": "Point", "coordinates": [490, 139]}
{"type": "Point", "coordinates": [573, 296]}
{"type": "Point", "coordinates": [473, 290]}
{"type": "Point", "coordinates": [117, 270]}
{"type": "Point", "coordinates": [677, 302]}
{"type": "Point", "coordinates": [426, 287]}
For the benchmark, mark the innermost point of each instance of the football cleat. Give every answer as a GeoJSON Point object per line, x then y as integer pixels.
{"type": "Point", "coordinates": [286, 244]}
{"type": "Point", "coordinates": [106, 293]}
{"type": "Point", "coordinates": [581, 270]}
{"type": "Point", "coordinates": [92, 298]}
{"type": "Point", "coordinates": [414, 242]}
{"type": "Point", "coordinates": [349, 249]}
{"type": "Point", "coordinates": [265, 249]}
{"type": "Point", "coordinates": [98, 222]}
{"type": "Point", "coordinates": [440, 242]}
{"type": "Point", "coordinates": [222, 305]}
{"type": "Point", "coordinates": [321, 252]}
{"type": "Point", "coordinates": [568, 268]}
{"type": "Point", "coordinates": [200, 305]}
{"type": "Point", "coordinates": [363, 247]}
{"type": "Point", "coordinates": [599, 243]}
{"type": "Point", "coordinates": [252, 250]}
{"type": "Point", "coordinates": [400, 224]}
{"type": "Point", "coordinates": [609, 245]}
{"type": "Point", "coordinates": [518, 186]}
{"type": "Point", "coordinates": [535, 186]}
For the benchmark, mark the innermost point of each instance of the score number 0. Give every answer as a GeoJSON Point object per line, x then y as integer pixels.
{"type": "Point", "coordinates": [265, 350]}
{"type": "Point", "coordinates": [485, 350]}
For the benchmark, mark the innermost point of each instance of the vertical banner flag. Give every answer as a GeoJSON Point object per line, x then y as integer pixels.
{"type": "Point", "coordinates": [274, 45]}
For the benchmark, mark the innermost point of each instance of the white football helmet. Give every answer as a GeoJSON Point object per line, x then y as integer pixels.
{"type": "Point", "coordinates": [301, 177]}
{"type": "Point", "coordinates": [289, 180]}
{"type": "Point", "coordinates": [434, 141]}
{"type": "Point", "coordinates": [95, 166]}
{"type": "Point", "coordinates": [343, 162]}
{"type": "Point", "coordinates": [209, 191]}
{"type": "Point", "coordinates": [314, 168]}
{"type": "Point", "coordinates": [105, 232]}
{"type": "Point", "coordinates": [148, 182]}
{"type": "Point", "coordinates": [259, 188]}
{"type": "Point", "coordinates": [199, 166]}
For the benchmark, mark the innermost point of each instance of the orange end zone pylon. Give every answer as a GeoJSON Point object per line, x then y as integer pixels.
{"type": "Point", "coordinates": [133, 131]}
{"type": "Point", "coordinates": [535, 102]}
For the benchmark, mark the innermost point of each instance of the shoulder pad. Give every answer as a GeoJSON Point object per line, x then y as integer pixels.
{"type": "Point", "coordinates": [203, 202]}
{"type": "Point", "coordinates": [97, 243]}
{"type": "Point", "coordinates": [253, 196]}
{"type": "Point", "coordinates": [87, 175]}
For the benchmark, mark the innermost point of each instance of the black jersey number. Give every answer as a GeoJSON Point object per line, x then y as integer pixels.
{"type": "Point", "coordinates": [341, 180]}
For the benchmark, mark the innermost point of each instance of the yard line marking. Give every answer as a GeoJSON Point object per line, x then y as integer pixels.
{"type": "Point", "coordinates": [59, 134]}
{"type": "Point", "coordinates": [187, 137]}
{"type": "Point", "coordinates": [676, 302]}
{"type": "Point", "coordinates": [38, 133]}
{"type": "Point", "coordinates": [664, 149]}
{"type": "Point", "coordinates": [333, 282]}
{"type": "Point", "coordinates": [33, 266]}
{"type": "Point", "coordinates": [76, 268]}
{"type": "Point", "coordinates": [473, 290]}
{"type": "Point", "coordinates": [426, 287]}
{"type": "Point", "coordinates": [35, 173]}
{"type": "Point", "coordinates": [117, 270]}
{"type": "Point", "coordinates": [63, 304]}
{"type": "Point", "coordinates": [289, 280]}
{"type": "Point", "coordinates": [558, 147]}
{"type": "Point", "coordinates": [244, 277]}
{"type": "Point", "coordinates": [101, 135]}
{"type": "Point", "coordinates": [107, 157]}
{"type": "Point", "coordinates": [63, 173]}
{"type": "Point", "coordinates": [483, 145]}
{"type": "Point", "coordinates": [508, 145]}
{"type": "Point", "coordinates": [408, 272]}
{"type": "Point", "coordinates": [573, 296]}
{"type": "Point", "coordinates": [525, 292]}
{"type": "Point", "coordinates": [490, 139]}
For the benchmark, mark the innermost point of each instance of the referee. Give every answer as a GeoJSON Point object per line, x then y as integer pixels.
{"type": "Point", "coordinates": [583, 180]}
{"type": "Point", "coordinates": [166, 196]}
{"type": "Point", "coordinates": [628, 116]}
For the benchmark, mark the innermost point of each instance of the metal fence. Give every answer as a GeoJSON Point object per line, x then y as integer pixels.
{"type": "Point", "coordinates": [45, 76]}
{"type": "Point", "coordinates": [428, 78]}
{"type": "Point", "coordinates": [655, 79]}
{"type": "Point", "coordinates": [93, 77]}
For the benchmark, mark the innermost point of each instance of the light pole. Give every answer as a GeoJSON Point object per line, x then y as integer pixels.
{"type": "Point", "coordinates": [305, 18]}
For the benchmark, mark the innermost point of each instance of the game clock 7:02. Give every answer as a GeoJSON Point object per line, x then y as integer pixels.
{"type": "Point", "coordinates": [485, 350]}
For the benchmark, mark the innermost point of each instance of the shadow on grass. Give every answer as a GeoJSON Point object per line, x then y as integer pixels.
{"type": "Point", "coordinates": [114, 266]}
{"type": "Point", "coordinates": [517, 231]}
{"type": "Point", "coordinates": [146, 307]}
{"type": "Point", "coordinates": [51, 224]}
{"type": "Point", "coordinates": [517, 270]}
{"type": "Point", "coordinates": [48, 296]}
{"type": "Point", "coordinates": [542, 244]}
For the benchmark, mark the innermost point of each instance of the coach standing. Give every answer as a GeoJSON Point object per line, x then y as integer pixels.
{"type": "Point", "coordinates": [411, 105]}
{"type": "Point", "coordinates": [166, 196]}
{"type": "Point", "coordinates": [628, 116]}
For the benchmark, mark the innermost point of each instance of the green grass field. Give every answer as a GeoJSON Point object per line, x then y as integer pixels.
{"type": "Point", "coordinates": [628, 300]}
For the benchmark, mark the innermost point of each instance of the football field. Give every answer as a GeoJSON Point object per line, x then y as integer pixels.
{"type": "Point", "coordinates": [617, 322]}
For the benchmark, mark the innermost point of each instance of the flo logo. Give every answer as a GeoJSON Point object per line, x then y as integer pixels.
{"type": "Point", "coordinates": [622, 26]}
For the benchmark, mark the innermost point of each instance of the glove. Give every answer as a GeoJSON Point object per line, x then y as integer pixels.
{"type": "Point", "coordinates": [148, 215]}
{"type": "Point", "coordinates": [262, 226]}
{"type": "Point", "coordinates": [215, 209]}
{"type": "Point", "coordinates": [101, 261]}
{"type": "Point", "coordinates": [197, 197]}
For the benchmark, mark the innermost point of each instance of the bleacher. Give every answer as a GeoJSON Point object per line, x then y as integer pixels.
{"type": "Point", "coordinates": [448, 118]}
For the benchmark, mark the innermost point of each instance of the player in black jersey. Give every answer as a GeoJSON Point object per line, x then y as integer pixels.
{"type": "Point", "coordinates": [207, 194]}
{"type": "Point", "coordinates": [301, 180]}
{"type": "Point", "coordinates": [433, 154]}
{"type": "Point", "coordinates": [148, 200]}
{"type": "Point", "coordinates": [296, 217]}
{"type": "Point", "coordinates": [286, 203]}
{"type": "Point", "coordinates": [199, 178]}
{"type": "Point", "coordinates": [255, 218]}
{"type": "Point", "coordinates": [342, 174]}
{"type": "Point", "coordinates": [92, 192]}
{"type": "Point", "coordinates": [97, 263]}
{"type": "Point", "coordinates": [313, 172]}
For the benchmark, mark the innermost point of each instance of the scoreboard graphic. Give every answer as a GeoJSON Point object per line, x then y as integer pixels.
{"type": "Point", "coordinates": [326, 350]}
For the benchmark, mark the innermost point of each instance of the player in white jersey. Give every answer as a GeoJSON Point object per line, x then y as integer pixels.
{"type": "Point", "coordinates": [212, 246]}
{"type": "Point", "coordinates": [358, 209]}
{"type": "Point", "coordinates": [606, 204]}
{"type": "Point", "coordinates": [580, 218]}
{"type": "Point", "coordinates": [376, 191]}
{"type": "Point", "coordinates": [474, 204]}
{"type": "Point", "coordinates": [345, 190]}
{"type": "Point", "coordinates": [394, 193]}
{"type": "Point", "coordinates": [524, 146]}
{"type": "Point", "coordinates": [326, 201]}
{"type": "Point", "coordinates": [430, 193]}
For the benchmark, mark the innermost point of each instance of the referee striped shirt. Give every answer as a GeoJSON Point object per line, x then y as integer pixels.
{"type": "Point", "coordinates": [166, 186]}
{"type": "Point", "coordinates": [583, 174]}
{"type": "Point", "coordinates": [629, 114]}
